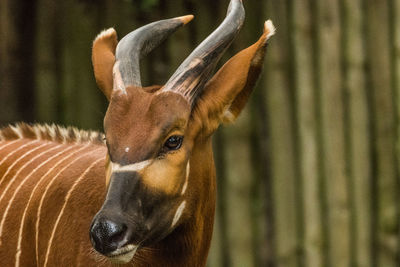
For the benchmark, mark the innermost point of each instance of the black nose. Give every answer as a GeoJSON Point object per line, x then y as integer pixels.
{"type": "Point", "coordinates": [107, 236]}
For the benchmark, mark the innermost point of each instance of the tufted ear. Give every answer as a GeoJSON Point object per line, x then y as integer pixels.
{"type": "Point", "coordinates": [226, 94]}
{"type": "Point", "coordinates": [103, 59]}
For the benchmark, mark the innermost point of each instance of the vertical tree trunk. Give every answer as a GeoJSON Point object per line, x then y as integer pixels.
{"type": "Point", "coordinates": [394, 10]}
{"type": "Point", "coordinates": [330, 115]}
{"type": "Point", "coordinates": [356, 132]}
{"type": "Point", "coordinates": [304, 106]}
{"type": "Point", "coordinates": [17, 55]}
{"type": "Point", "coordinates": [383, 191]}
{"type": "Point", "coordinates": [48, 104]}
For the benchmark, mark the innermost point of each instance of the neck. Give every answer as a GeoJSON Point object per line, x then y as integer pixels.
{"type": "Point", "coordinates": [189, 243]}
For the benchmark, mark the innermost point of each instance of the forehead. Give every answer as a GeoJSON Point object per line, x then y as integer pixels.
{"type": "Point", "coordinates": [138, 121]}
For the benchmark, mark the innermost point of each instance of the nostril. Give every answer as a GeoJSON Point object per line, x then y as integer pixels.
{"type": "Point", "coordinates": [117, 232]}
{"type": "Point", "coordinates": [107, 236]}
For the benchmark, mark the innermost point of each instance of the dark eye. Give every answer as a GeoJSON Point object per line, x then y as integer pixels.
{"type": "Point", "coordinates": [173, 143]}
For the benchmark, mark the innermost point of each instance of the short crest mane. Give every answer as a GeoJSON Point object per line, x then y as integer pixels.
{"type": "Point", "coordinates": [53, 132]}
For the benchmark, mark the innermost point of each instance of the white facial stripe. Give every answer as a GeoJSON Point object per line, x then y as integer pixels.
{"type": "Point", "coordinates": [131, 167]}
{"type": "Point", "coordinates": [187, 179]}
{"type": "Point", "coordinates": [178, 213]}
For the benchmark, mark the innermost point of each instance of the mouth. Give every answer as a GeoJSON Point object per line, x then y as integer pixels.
{"type": "Point", "coordinates": [123, 255]}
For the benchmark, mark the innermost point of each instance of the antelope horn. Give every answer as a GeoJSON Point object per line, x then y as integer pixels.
{"type": "Point", "coordinates": [139, 43]}
{"type": "Point", "coordinates": [191, 76]}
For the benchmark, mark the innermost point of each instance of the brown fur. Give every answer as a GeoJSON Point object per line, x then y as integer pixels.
{"type": "Point", "coordinates": [68, 248]}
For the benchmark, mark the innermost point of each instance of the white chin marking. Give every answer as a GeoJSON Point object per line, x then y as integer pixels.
{"type": "Point", "coordinates": [123, 255]}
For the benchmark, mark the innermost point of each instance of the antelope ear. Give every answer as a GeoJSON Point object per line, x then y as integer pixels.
{"type": "Point", "coordinates": [103, 59]}
{"type": "Point", "coordinates": [226, 94]}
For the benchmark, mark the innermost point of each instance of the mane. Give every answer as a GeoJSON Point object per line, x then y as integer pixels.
{"type": "Point", "coordinates": [53, 132]}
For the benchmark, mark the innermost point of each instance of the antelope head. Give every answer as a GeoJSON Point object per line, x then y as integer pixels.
{"type": "Point", "coordinates": [155, 176]}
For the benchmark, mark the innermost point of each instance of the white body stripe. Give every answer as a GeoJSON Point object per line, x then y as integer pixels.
{"type": "Point", "coordinates": [15, 151]}
{"type": "Point", "coordinates": [130, 168]}
{"type": "Point", "coordinates": [18, 254]}
{"type": "Point", "coordinates": [6, 144]}
{"type": "Point", "coordinates": [18, 172]}
{"type": "Point", "coordinates": [10, 201]}
{"type": "Point", "coordinates": [44, 195]}
{"type": "Point", "coordinates": [64, 205]}
{"type": "Point", "coordinates": [178, 213]}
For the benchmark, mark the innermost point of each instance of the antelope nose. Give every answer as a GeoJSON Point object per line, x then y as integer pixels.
{"type": "Point", "coordinates": [107, 236]}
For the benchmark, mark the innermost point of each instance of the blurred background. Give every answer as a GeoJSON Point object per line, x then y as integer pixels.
{"type": "Point", "coordinates": [309, 175]}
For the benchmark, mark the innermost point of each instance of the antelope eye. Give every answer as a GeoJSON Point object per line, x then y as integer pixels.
{"type": "Point", "coordinates": [173, 142]}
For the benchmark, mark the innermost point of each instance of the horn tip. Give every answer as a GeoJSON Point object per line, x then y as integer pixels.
{"type": "Point", "coordinates": [186, 19]}
{"type": "Point", "coordinates": [269, 29]}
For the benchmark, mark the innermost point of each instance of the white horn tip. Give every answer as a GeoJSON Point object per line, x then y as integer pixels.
{"type": "Point", "coordinates": [269, 28]}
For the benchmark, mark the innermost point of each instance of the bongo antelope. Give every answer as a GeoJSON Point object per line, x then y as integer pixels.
{"type": "Point", "coordinates": [147, 194]}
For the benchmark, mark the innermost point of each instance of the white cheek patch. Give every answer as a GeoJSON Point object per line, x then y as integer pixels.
{"type": "Point", "coordinates": [178, 213]}
{"type": "Point", "coordinates": [115, 167]}
{"type": "Point", "coordinates": [228, 116]}
{"type": "Point", "coordinates": [187, 179]}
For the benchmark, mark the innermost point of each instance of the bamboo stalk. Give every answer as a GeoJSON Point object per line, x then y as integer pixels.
{"type": "Point", "coordinates": [356, 132]}
{"type": "Point", "coordinates": [305, 109]}
{"type": "Point", "coordinates": [333, 184]}
{"type": "Point", "coordinates": [383, 192]}
{"type": "Point", "coordinates": [394, 25]}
